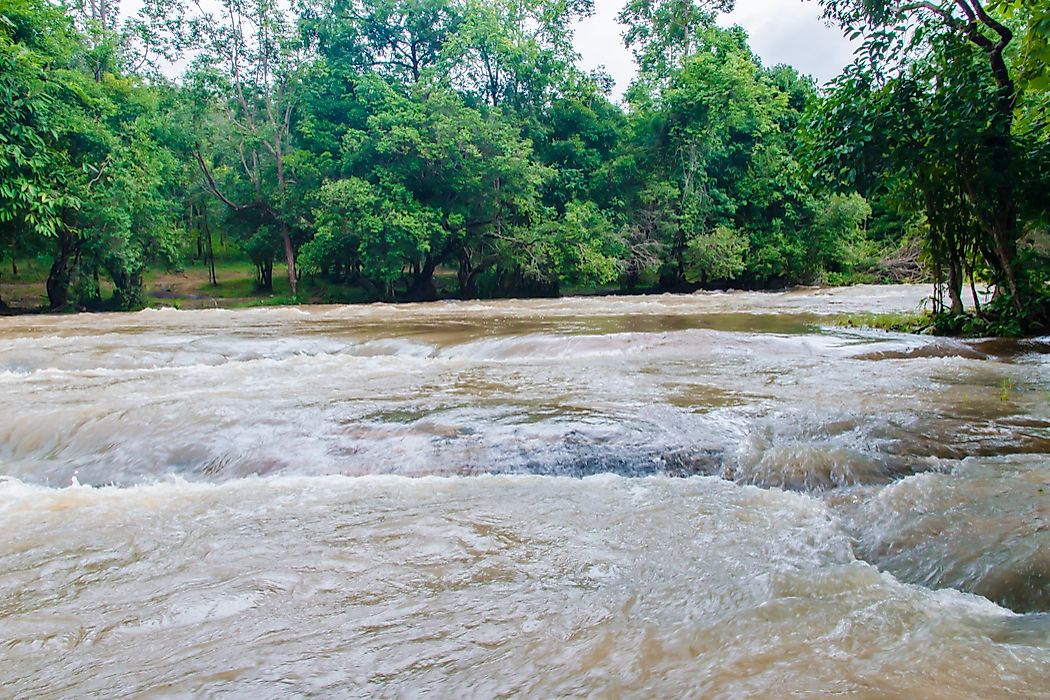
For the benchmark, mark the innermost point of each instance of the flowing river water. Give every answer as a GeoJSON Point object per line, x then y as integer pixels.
{"type": "Point", "coordinates": [669, 496]}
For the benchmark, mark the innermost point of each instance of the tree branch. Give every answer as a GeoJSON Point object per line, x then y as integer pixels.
{"type": "Point", "coordinates": [214, 188]}
{"type": "Point", "coordinates": [1005, 35]}
{"type": "Point", "coordinates": [947, 16]}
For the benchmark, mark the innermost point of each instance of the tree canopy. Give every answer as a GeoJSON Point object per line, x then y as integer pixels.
{"type": "Point", "coordinates": [422, 148]}
{"type": "Point", "coordinates": [942, 113]}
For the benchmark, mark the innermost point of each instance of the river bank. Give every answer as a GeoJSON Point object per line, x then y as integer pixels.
{"type": "Point", "coordinates": [191, 287]}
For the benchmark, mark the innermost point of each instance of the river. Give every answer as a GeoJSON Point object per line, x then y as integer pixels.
{"type": "Point", "coordinates": [712, 495]}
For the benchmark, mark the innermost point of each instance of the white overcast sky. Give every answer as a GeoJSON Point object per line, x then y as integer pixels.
{"type": "Point", "coordinates": [781, 31]}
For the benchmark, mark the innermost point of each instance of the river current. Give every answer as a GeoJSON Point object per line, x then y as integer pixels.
{"type": "Point", "coordinates": [712, 495]}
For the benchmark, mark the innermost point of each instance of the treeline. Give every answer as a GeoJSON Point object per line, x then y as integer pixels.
{"type": "Point", "coordinates": [424, 147]}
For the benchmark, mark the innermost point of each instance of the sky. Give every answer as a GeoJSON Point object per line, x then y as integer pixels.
{"type": "Point", "coordinates": [781, 31]}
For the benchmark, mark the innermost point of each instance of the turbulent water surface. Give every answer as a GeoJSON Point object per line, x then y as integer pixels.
{"type": "Point", "coordinates": [705, 495]}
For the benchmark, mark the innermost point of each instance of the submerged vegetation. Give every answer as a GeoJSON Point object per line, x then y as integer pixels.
{"type": "Point", "coordinates": [413, 149]}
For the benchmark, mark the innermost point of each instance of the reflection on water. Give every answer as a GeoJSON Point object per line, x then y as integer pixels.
{"type": "Point", "coordinates": [217, 501]}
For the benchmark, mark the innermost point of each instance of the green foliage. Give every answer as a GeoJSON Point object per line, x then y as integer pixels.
{"type": "Point", "coordinates": [31, 195]}
{"type": "Point", "coordinates": [896, 323]}
{"type": "Point", "coordinates": [85, 171]}
{"type": "Point", "coordinates": [717, 256]}
{"type": "Point", "coordinates": [581, 248]}
{"type": "Point", "coordinates": [838, 242]}
{"type": "Point", "coordinates": [417, 148]}
{"type": "Point", "coordinates": [374, 229]}
{"type": "Point", "coordinates": [711, 153]}
{"type": "Point", "coordinates": [664, 33]}
{"type": "Point", "coordinates": [936, 121]}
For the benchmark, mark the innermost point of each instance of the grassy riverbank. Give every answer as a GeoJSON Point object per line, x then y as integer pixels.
{"type": "Point", "coordinates": [190, 287]}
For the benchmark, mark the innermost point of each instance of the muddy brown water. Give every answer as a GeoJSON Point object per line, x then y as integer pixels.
{"type": "Point", "coordinates": [698, 496]}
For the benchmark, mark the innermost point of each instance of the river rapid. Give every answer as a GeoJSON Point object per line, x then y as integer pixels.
{"type": "Point", "coordinates": [713, 495]}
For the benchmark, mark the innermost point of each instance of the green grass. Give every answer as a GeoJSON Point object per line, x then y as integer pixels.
{"type": "Point", "coordinates": [891, 322]}
{"type": "Point", "coordinates": [237, 287]}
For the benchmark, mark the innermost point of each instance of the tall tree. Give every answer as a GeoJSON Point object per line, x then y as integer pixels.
{"type": "Point", "coordinates": [663, 33]}
{"type": "Point", "coordinates": [921, 44]}
{"type": "Point", "coordinates": [514, 53]}
{"type": "Point", "coordinates": [250, 63]}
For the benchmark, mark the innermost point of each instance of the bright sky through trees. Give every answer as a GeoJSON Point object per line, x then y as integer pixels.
{"type": "Point", "coordinates": [780, 31]}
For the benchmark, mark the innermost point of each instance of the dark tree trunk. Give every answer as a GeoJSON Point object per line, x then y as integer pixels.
{"type": "Point", "coordinates": [969, 265]}
{"type": "Point", "coordinates": [128, 293]}
{"type": "Point", "coordinates": [468, 276]}
{"type": "Point", "coordinates": [266, 276]}
{"type": "Point", "coordinates": [211, 249]}
{"type": "Point", "coordinates": [423, 287]}
{"type": "Point", "coordinates": [631, 279]}
{"type": "Point", "coordinates": [289, 257]}
{"type": "Point", "coordinates": [1000, 220]}
{"type": "Point", "coordinates": [955, 282]}
{"type": "Point", "coordinates": [61, 272]}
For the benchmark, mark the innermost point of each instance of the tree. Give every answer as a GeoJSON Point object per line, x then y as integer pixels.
{"type": "Point", "coordinates": [373, 230]}
{"type": "Point", "coordinates": [947, 64]}
{"type": "Point", "coordinates": [85, 171]}
{"type": "Point", "coordinates": [663, 33]}
{"type": "Point", "coordinates": [577, 137]}
{"type": "Point", "coordinates": [464, 167]}
{"type": "Point", "coordinates": [513, 53]}
{"type": "Point", "coordinates": [250, 63]}
{"type": "Point", "coordinates": [401, 39]}
{"type": "Point", "coordinates": [717, 132]}
{"type": "Point", "coordinates": [838, 235]}
{"type": "Point", "coordinates": [32, 195]}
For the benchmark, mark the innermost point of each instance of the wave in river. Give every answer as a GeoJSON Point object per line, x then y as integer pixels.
{"type": "Point", "coordinates": [481, 586]}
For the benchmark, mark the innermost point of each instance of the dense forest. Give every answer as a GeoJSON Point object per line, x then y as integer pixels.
{"type": "Point", "coordinates": [425, 148]}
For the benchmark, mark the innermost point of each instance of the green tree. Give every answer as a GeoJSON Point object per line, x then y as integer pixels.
{"type": "Point", "coordinates": [717, 132]}
{"type": "Point", "coordinates": [662, 34]}
{"type": "Point", "coordinates": [933, 101]}
{"type": "Point", "coordinates": [467, 165]}
{"type": "Point", "coordinates": [249, 66]}
{"type": "Point", "coordinates": [32, 197]}
{"type": "Point", "coordinates": [86, 172]}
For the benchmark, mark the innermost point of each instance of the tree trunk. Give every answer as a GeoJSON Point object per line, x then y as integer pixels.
{"type": "Point", "coordinates": [955, 282]}
{"type": "Point", "coordinates": [128, 293]}
{"type": "Point", "coordinates": [1000, 144]}
{"type": "Point", "coordinates": [286, 236]}
{"type": "Point", "coordinates": [59, 276]}
{"type": "Point", "coordinates": [969, 265]}
{"type": "Point", "coordinates": [211, 250]}
{"type": "Point", "coordinates": [195, 225]}
{"type": "Point", "coordinates": [423, 287]}
{"type": "Point", "coordinates": [467, 276]}
{"type": "Point", "coordinates": [1001, 222]}
{"type": "Point", "coordinates": [267, 276]}
{"type": "Point", "coordinates": [289, 257]}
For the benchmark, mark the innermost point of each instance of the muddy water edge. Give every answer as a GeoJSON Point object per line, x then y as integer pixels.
{"type": "Point", "coordinates": [704, 495]}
